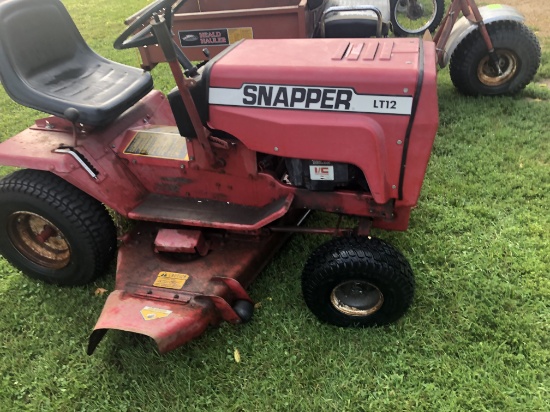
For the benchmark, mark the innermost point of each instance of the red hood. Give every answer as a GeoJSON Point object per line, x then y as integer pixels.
{"type": "Point", "coordinates": [373, 66]}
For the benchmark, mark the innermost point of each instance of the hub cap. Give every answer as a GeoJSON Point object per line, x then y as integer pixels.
{"type": "Point", "coordinates": [356, 298]}
{"type": "Point", "coordinates": [489, 76]}
{"type": "Point", "coordinates": [38, 240]}
{"type": "Point", "coordinates": [415, 11]}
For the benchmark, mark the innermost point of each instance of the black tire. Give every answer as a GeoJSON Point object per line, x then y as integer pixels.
{"type": "Point", "coordinates": [519, 54]}
{"type": "Point", "coordinates": [414, 18]}
{"type": "Point", "coordinates": [52, 231]}
{"type": "Point", "coordinates": [357, 281]}
{"type": "Point", "coordinates": [244, 309]}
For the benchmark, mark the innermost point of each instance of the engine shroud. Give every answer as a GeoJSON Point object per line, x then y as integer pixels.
{"type": "Point", "coordinates": [370, 103]}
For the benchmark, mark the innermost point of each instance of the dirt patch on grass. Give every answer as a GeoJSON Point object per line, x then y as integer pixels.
{"type": "Point", "coordinates": [543, 84]}
{"type": "Point", "coordinates": [536, 12]}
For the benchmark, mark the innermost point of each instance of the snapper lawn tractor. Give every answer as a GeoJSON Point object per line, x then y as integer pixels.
{"type": "Point", "coordinates": [217, 174]}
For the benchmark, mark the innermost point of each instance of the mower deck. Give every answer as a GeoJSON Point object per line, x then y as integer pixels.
{"type": "Point", "coordinates": [174, 297]}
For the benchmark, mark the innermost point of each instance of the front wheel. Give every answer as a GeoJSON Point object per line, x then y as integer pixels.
{"type": "Point", "coordinates": [52, 231]}
{"type": "Point", "coordinates": [518, 51]}
{"type": "Point", "coordinates": [357, 281]}
{"type": "Point", "coordinates": [414, 17]}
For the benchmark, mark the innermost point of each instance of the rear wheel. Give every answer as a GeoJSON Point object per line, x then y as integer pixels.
{"type": "Point", "coordinates": [357, 281]}
{"type": "Point", "coordinates": [52, 231]}
{"type": "Point", "coordinates": [414, 17]}
{"type": "Point", "coordinates": [518, 52]}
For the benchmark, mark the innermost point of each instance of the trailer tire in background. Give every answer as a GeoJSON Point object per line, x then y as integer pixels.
{"type": "Point", "coordinates": [519, 56]}
{"type": "Point", "coordinates": [409, 20]}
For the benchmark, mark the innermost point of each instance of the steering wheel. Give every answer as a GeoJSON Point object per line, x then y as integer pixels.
{"type": "Point", "coordinates": [145, 36]}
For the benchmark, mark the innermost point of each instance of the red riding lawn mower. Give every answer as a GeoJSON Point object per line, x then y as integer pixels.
{"type": "Point", "coordinates": [217, 174]}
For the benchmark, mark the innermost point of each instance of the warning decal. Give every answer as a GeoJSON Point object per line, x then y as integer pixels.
{"type": "Point", "coordinates": [171, 280]}
{"type": "Point", "coordinates": [320, 172]}
{"type": "Point", "coordinates": [239, 33]}
{"type": "Point", "coordinates": [150, 313]}
{"type": "Point", "coordinates": [162, 142]}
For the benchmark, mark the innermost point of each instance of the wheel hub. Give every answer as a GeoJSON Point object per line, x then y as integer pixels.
{"type": "Point", "coordinates": [402, 6]}
{"type": "Point", "coordinates": [488, 74]}
{"type": "Point", "coordinates": [38, 240]}
{"type": "Point", "coordinates": [415, 11]}
{"type": "Point", "coordinates": [414, 17]}
{"type": "Point", "coordinates": [356, 298]}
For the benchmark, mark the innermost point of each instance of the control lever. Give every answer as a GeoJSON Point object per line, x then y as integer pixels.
{"type": "Point", "coordinates": [206, 53]}
{"type": "Point", "coordinates": [73, 115]}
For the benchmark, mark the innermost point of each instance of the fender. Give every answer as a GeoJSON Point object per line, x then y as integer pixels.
{"type": "Point", "coordinates": [463, 27]}
{"type": "Point", "coordinates": [100, 172]}
{"type": "Point", "coordinates": [96, 172]}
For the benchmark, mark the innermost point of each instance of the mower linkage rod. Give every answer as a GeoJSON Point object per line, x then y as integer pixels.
{"type": "Point", "coordinates": [363, 229]}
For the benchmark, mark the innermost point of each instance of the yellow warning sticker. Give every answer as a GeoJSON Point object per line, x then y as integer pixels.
{"type": "Point", "coordinates": [170, 280]}
{"type": "Point", "coordinates": [150, 313]}
{"type": "Point", "coordinates": [163, 142]}
{"type": "Point", "coordinates": [239, 33]}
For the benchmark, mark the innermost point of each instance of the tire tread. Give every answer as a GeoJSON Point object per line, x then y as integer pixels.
{"type": "Point", "coordinates": [466, 53]}
{"type": "Point", "coordinates": [355, 255]}
{"type": "Point", "coordinates": [87, 216]}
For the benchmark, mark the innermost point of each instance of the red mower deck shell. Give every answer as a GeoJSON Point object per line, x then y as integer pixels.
{"type": "Point", "coordinates": [173, 300]}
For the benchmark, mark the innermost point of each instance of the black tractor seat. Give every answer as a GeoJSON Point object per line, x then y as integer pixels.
{"type": "Point", "coordinates": [45, 64]}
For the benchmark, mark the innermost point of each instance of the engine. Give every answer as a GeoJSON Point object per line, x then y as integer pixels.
{"type": "Point", "coordinates": [321, 175]}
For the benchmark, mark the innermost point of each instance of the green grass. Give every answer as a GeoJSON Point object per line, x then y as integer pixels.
{"type": "Point", "coordinates": [475, 339]}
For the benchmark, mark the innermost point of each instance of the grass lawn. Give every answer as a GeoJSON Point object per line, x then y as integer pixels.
{"type": "Point", "coordinates": [477, 337]}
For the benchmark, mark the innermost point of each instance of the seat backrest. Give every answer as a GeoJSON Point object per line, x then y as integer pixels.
{"type": "Point", "coordinates": [34, 35]}
{"type": "Point", "coordinates": [45, 64]}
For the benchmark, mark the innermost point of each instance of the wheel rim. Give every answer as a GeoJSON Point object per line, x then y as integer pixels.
{"type": "Point", "coordinates": [356, 298]}
{"type": "Point", "coordinates": [415, 17]}
{"type": "Point", "coordinates": [508, 64]}
{"type": "Point", "coordinates": [38, 240]}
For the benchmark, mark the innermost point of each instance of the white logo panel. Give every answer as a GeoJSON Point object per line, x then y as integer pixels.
{"type": "Point", "coordinates": [310, 98]}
